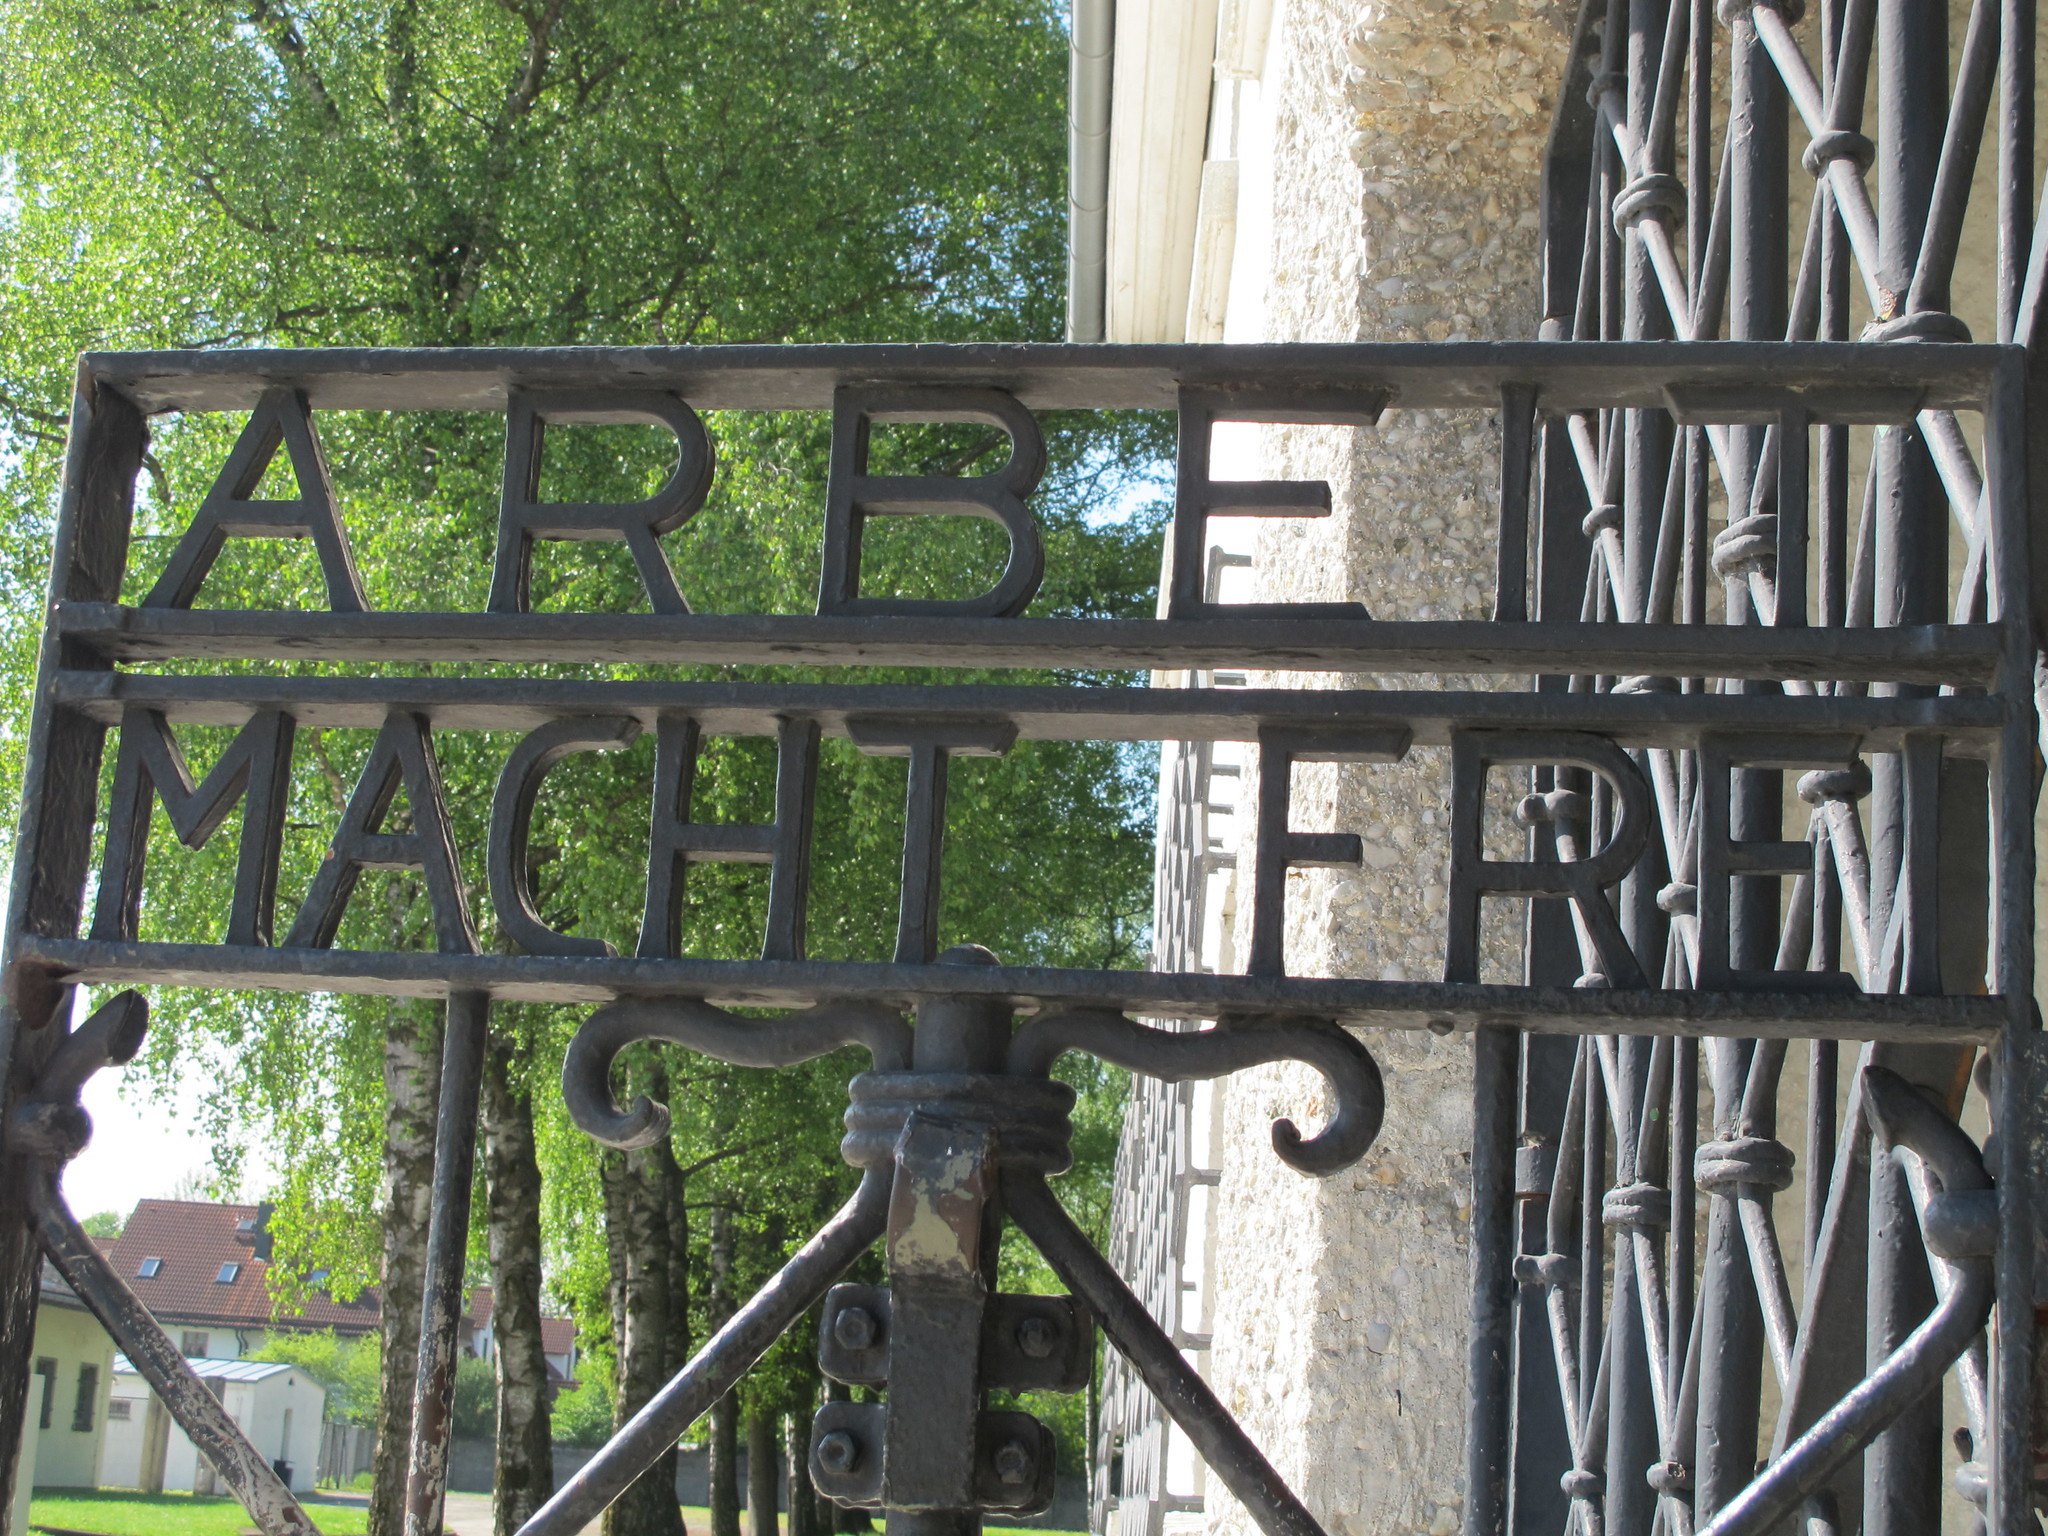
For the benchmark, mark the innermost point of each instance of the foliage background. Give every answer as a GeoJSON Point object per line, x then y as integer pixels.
{"type": "Point", "coordinates": [178, 173]}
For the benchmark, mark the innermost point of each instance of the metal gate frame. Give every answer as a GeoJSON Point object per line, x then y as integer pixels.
{"type": "Point", "coordinates": [960, 1108]}
{"type": "Point", "coordinates": [1653, 876]}
{"type": "Point", "coordinates": [1633, 1404]}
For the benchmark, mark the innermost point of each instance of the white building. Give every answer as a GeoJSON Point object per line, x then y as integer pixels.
{"type": "Point", "coordinates": [278, 1407]}
{"type": "Point", "coordinates": [67, 1397]}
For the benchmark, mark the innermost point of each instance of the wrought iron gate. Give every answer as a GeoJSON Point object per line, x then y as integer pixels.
{"type": "Point", "coordinates": [1618, 1362]}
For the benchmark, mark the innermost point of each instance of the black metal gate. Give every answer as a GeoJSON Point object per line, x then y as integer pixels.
{"type": "Point", "coordinates": [1717, 634]}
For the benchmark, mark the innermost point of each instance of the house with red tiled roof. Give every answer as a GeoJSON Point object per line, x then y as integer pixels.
{"type": "Point", "coordinates": [202, 1270]}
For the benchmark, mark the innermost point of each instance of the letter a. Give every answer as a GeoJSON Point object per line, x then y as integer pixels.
{"type": "Point", "coordinates": [404, 753]}
{"type": "Point", "coordinates": [281, 418]}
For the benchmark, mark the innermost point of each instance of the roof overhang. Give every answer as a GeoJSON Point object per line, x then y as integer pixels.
{"type": "Point", "coordinates": [1138, 118]}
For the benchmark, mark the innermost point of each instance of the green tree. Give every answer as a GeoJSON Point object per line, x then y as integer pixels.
{"type": "Point", "coordinates": [434, 172]}
{"type": "Point", "coordinates": [583, 1415]}
{"type": "Point", "coordinates": [347, 1368]}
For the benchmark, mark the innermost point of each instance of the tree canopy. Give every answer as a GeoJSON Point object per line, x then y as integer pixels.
{"type": "Point", "coordinates": [463, 172]}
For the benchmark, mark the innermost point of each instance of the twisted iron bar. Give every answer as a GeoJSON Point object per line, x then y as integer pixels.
{"type": "Point", "coordinates": [1960, 1223]}
{"type": "Point", "coordinates": [1672, 1348]}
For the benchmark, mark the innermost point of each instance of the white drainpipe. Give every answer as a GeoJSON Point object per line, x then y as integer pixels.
{"type": "Point", "coordinates": [1093, 30]}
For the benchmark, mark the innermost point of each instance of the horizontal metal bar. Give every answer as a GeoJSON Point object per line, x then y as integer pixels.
{"type": "Point", "coordinates": [1576, 375]}
{"type": "Point", "coordinates": [1153, 994]}
{"type": "Point", "coordinates": [1925, 653]}
{"type": "Point", "coordinates": [1039, 714]}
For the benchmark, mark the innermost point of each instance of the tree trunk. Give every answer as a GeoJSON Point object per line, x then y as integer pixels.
{"type": "Point", "coordinates": [523, 1478]}
{"type": "Point", "coordinates": [797, 1496]}
{"type": "Point", "coordinates": [412, 1089]}
{"type": "Point", "coordinates": [764, 1472]}
{"type": "Point", "coordinates": [648, 1321]}
{"type": "Point", "coordinates": [725, 1413]}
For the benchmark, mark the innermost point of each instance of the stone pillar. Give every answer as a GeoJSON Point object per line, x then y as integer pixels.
{"type": "Point", "coordinates": [1389, 178]}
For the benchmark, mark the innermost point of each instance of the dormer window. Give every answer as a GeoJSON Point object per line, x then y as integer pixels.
{"type": "Point", "coordinates": [227, 1274]}
{"type": "Point", "coordinates": [151, 1268]}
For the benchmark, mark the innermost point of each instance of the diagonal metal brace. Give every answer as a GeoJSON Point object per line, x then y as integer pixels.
{"type": "Point", "coordinates": [713, 1370]}
{"type": "Point", "coordinates": [198, 1412]}
{"type": "Point", "coordinates": [1182, 1393]}
{"type": "Point", "coordinates": [50, 1126]}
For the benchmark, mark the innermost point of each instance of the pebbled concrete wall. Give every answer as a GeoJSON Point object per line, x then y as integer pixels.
{"type": "Point", "coordinates": [1389, 179]}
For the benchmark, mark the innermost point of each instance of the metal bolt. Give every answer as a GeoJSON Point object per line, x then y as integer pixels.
{"type": "Point", "coordinates": [838, 1451]}
{"type": "Point", "coordinates": [1014, 1463]}
{"type": "Point", "coordinates": [1037, 1337]}
{"type": "Point", "coordinates": [855, 1328]}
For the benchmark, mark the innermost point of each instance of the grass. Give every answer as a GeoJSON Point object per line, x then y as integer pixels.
{"type": "Point", "coordinates": [121, 1513]}
{"type": "Point", "coordinates": [117, 1512]}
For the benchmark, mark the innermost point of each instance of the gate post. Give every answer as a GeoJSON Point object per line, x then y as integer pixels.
{"type": "Point", "coordinates": [53, 842]}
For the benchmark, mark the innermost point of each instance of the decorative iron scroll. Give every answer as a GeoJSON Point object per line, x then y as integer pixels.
{"type": "Point", "coordinates": [958, 1127]}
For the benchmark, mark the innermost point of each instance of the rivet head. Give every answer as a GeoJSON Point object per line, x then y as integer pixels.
{"type": "Point", "coordinates": [1037, 1336]}
{"type": "Point", "coordinates": [1014, 1463]}
{"type": "Point", "coordinates": [838, 1452]}
{"type": "Point", "coordinates": [855, 1328]}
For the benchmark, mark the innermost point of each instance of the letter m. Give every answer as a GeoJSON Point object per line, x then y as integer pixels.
{"type": "Point", "coordinates": [255, 769]}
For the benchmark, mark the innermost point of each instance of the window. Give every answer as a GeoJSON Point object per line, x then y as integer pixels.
{"type": "Point", "coordinates": [119, 1408]}
{"type": "Point", "coordinates": [47, 1369]}
{"type": "Point", "coordinates": [151, 1268]}
{"type": "Point", "coordinates": [88, 1399]}
{"type": "Point", "coordinates": [227, 1274]}
{"type": "Point", "coordinates": [193, 1345]}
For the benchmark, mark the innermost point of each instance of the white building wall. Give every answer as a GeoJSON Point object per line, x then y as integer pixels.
{"type": "Point", "coordinates": [24, 1478]}
{"type": "Point", "coordinates": [121, 1448]}
{"type": "Point", "coordinates": [67, 1456]}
